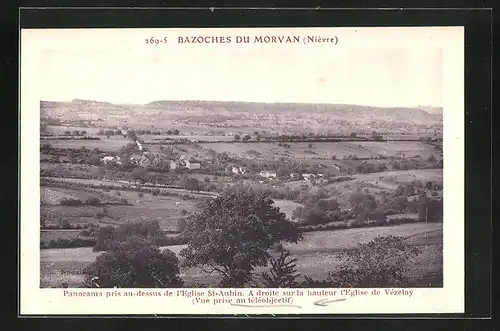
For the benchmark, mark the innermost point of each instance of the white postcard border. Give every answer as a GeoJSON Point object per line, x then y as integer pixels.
{"type": "Point", "coordinates": [449, 299]}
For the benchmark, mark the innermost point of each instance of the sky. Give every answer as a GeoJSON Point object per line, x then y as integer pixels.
{"type": "Point", "coordinates": [373, 76]}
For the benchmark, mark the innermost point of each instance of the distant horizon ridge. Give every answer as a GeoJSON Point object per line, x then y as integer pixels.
{"type": "Point", "coordinates": [423, 107]}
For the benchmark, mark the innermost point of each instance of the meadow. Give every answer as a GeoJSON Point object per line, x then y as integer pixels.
{"type": "Point", "coordinates": [166, 209]}
{"type": "Point", "coordinates": [317, 249]}
{"type": "Point", "coordinates": [325, 150]}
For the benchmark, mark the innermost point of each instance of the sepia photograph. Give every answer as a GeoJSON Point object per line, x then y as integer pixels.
{"type": "Point", "coordinates": [233, 159]}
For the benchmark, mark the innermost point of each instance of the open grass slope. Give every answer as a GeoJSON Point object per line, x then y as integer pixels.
{"type": "Point", "coordinates": [315, 254]}
{"type": "Point", "coordinates": [324, 150]}
{"type": "Point", "coordinates": [167, 210]}
{"type": "Point", "coordinates": [54, 195]}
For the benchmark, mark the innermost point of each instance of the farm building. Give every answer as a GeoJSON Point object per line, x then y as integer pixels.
{"type": "Point", "coordinates": [135, 159]}
{"type": "Point", "coordinates": [308, 177]}
{"type": "Point", "coordinates": [409, 216]}
{"type": "Point", "coordinates": [238, 170]}
{"type": "Point", "coordinates": [110, 160]}
{"type": "Point", "coordinates": [268, 174]}
{"type": "Point", "coordinates": [145, 161]}
{"type": "Point", "coordinates": [193, 164]}
{"type": "Point", "coordinates": [172, 164]}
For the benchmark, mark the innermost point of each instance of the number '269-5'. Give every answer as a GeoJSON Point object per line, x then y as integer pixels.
{"type": "Point", "coordinates": [156, 41]}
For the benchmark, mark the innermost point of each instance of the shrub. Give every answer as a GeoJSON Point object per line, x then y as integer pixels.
{"type": "Point", "coordinates": [70, 243]}
{"type": "Point", "coordinates": [93, 201]}
{"type": "Point", "coordinates": [380, 263]}
{"type": "Point", "coordinates": [134, 265]}
{"type": "Point", "coordinates": [282, 273]}
{"type": "Point", "coordinates": [64, 224]}
{"type": "Point", "coordinates": [140, 194]}
{"type": "Point", "coordinates": [71, 202]}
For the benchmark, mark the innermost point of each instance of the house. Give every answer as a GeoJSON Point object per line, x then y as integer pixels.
{"type": "Point", "coordinates": [308, 177]}
{"type": "Point", "coordinates": [111, 160]}
{"type": "Point", "coordinates": [107, 159]}
{"type": "Point", "coordinates": [145, 161]}
{"type": "Point", "coordinates": [268, 174]}
{"type": "Point", "coordinates": [193, 164]}
{"type": "Point", "coordinates": [238, 170]}
{"type": "Point", "coordinates": [294, 175]}
{"type": "Point", "coordinates": [135, 159]}
{"type": "Point", "coordinates": [172, 164]}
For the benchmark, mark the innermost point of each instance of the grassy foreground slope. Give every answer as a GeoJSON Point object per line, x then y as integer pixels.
{"type": "Point", "coordinates": [317, 249]}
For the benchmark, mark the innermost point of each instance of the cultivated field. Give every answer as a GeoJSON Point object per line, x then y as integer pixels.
{"type": "Point", "coordinates": [302, 150]}
{"type": "Point", "coordinates": [166, 209]}
{"type": "Point", "coordinates": [104, 144]}
{"type": "Point", "coordinates": [54, 195]}
{"type": "Point", "coordinates": [317, 249]}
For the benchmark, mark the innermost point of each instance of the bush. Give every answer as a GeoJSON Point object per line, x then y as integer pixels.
{"type": "Point", "coordinates": [93, 201]}
{"type": "Point", "coordinates": [380, 263]}
{"type": "Point", "coordinates": [64, 224]}
{"type": "Point", "coordinates": [134, 265]}
{"type": "Point", "coordinates": [71, 202]}
{"type": "Point", "coordinates": [70, 243]}
{"type": "Point", "coordinates": [140, 194]}
{"type": "Point", "coordinates": [282, 273]}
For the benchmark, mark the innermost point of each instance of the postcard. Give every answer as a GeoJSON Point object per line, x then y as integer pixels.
{"type": "Point", "coordinates": [242, 171]}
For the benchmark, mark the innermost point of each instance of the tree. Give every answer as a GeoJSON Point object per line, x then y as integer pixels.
{"type": "Point", "coordinates": [405, 190]}
{"type": "Point", "coordinates": [139, 174]}
{"type": "Point", "coordinates": [64, 224]}
{"type": "Point", "coordinates": [282, 273]}
{"type": "Point", "coordinates": [381, 262]}
{"type": "Point", "coordinates": [131, 135]}
{"type": "Point", "coordinates": [353, 135]}
{"type": "Point", "coordinates": [246, 138]}
{"type": "Point", "coordinates": [192, 184]}
{"type": "Point", "coordinates": [175, 132]}
{"type": "Point", "coordinates": [362, 205]}
{"type": "Point", "coordinates": [399, 204]}
{"type": "Point", "coordinates": [430, 209]}
{"type": "Point", "coordinates": [317, 211]}
{"type": "Point", "coordinates": [231, 234]}
{"type": "Point", "coordinates": [237, 137]}
{"type": "Point", "coordinates": [135, 265]}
